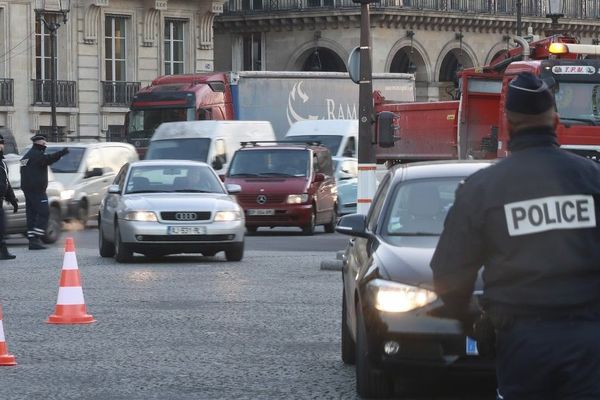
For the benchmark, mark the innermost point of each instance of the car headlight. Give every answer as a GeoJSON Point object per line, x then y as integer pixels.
{"type": "Point", "coordinates": [145, 216]}
{"type": "Point", "coordinates": [225, 216]}
{"type": "Point", "coordinates": [396, 297]}
{"type": "Point", "coordinates": [297, 198]}
{"type": "Point", "coordinates": [67, 194]}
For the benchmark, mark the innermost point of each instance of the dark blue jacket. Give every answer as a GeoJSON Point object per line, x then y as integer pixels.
{"type": "Point", "coordinates": [34, 168]}
{"type": "Point", "coordinates": [533, 221]}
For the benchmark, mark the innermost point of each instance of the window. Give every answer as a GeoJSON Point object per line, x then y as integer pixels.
{"type": "Point", "coordinates": [252, 5]}
{"type": "Point", "coordinates": [174, 47]}
{"type": "Point", "coordinates": [120, 178]}
{"type": "Point", "coordinates": [252, 52]}
{"type": "Point", "coordinates": [43, 50]}
{"type": "Point", "coordinates": [377, 205]}
{"type": "Point", "coordinates": [350, 150]}
{"type": "Point", "coordinates": [94, 160]}
{"type": "Point", "coordinates": [115, 157]}
{"type": "Point", "coordinates": [115, 37]}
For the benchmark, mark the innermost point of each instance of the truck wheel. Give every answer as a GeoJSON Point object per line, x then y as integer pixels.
{"type": "Point", "coordinates": [54, 228]}
{"type": "Point", "coordinates": [309, 229]}
{"type": "Point", "coordinates": [235, 252]}
{"type": "Point", "coordinates": [370, 382]}
{"type": "Point", "coordinates": [123, 253]}
{"type": "Point", "coordinates": [348, 345]}
{"type": "Point", "coordinates": [106, 248]}
{"type": "Point", "coordinates": [330, 226]}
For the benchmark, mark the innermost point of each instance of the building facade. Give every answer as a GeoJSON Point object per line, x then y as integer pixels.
{"type": "Point", "coordinates": [431, 38]}
{"type": "Point", "coordinates": [105, 51]}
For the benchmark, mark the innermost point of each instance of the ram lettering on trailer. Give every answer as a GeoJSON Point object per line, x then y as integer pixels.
{"type": "Point", "coordinates": [550, 213]}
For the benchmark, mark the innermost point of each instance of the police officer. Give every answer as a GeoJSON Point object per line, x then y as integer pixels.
{"type": "Point", "coordinates": [6, 194]}
{"type": "Point", "coordinates": [34, 181]}
{"type": "Point", "coordinates": [533, 221]}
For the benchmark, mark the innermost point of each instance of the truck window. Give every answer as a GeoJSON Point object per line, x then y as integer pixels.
{"type": "Point", "coordinates": [148, 120]}
{"type": "Point", "coordinates": [350, 149]}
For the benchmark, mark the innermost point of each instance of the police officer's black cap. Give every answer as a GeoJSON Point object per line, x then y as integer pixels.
{"type": "Point", "coordinates": [38, 137]}
{"type": "Point", "coordinates": [1, 139]}
{"type": "Point", "coordinates": [527, 94]}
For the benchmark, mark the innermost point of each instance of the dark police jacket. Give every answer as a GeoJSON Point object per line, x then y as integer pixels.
{"type": "Point", "coordinates": [6, 190]}
{"type": "Point", "coordinates": [532, 221]}
{"type": "Point", "coordinates": [34, 169]}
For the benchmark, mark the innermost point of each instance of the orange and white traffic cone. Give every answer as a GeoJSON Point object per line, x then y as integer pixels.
{"type": "Point", "coordinates": [70, 306]}
{"type": "Point", "coordinates": [5, 358]}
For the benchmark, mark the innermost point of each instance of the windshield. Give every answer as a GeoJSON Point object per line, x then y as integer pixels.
{"type": "Point", "coordinates": [578, 101]}
{"type": "Point", "coordinates": [142, 123]}
{"type": "Point", "coordinates": [69, 163]}
{"type": "Point", "coordinates": [420, 206]}
{"type": "Point", "coordinates": [332, 142]}
{"type": "Point", "coordinates": [179, 149]}
{"type": "Point", "coordinates": [172, 178]}
{"type": "Point", "coordinates": [270, 162]}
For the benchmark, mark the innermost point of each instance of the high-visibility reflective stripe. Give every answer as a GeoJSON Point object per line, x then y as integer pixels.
{"type": "Point", "coordinates": [70, 278]}
{"type": "Point", "coordinates": [70, 261]}
{"type": "Point", "coordinates": [1, 332]}
{"type": "Point", "coordinates": [70, 295]}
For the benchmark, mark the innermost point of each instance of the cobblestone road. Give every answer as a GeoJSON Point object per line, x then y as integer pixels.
{"type": "Point", "coordinates": [179, 328]}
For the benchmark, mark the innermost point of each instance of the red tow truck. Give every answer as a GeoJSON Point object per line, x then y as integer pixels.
{"type": "Point", "coordinates": [475, 125]}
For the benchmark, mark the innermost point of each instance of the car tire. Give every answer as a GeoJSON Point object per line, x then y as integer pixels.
{"type": "Point", "coordinates": [235, 252]}
{"type": "Point", "coordinates": [106, 248]}
{"type": "Point", "coordinates": [309, 229]}
{"type": "Point", "coordinates": [208, 253]}
{"type": "Point", "coordinates": [330, 226]}
{"type": "Point", "coordinates": [348, 345]}
{"type": "Point", "coordinates": [83, 214]}
{"type": "Point", "coordinates": [123, 253]}
{"type": "Point", "coordinates": [54, 228]}
{"type": "Point", "coordinates": [370, 382]}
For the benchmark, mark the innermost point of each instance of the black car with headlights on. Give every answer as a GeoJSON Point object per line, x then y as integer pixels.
{"type": "Point", "coordinates": [393, 324]}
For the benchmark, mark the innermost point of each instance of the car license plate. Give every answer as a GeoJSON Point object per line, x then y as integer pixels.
{"type": "Point", "coordinates": [261, 211]}
{"type": "Point", "coordinates": [471, 347]}
{"type": "Point", "coordinates": [186, 230]}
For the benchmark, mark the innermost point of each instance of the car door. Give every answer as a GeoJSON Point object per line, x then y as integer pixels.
{"type": "Point", "coordinates": [111, 204]}
{"type": "Point", "coordinates": [95, 185]}
{"type": "Point", "coordinates": [358, 252]}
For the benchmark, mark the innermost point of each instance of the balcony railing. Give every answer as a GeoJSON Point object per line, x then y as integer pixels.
{"type": "Point", "coordinates": [531, 8]}
{"type": "Point", "coordinates": [118, 94]}
{"type": "Point", "coordinates": [6, 92]}
{"type": "Point", "coordinates": [66, 93]}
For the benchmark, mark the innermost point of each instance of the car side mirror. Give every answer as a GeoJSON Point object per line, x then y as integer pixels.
{"type": "Point", "coordinates": [114, 189]}
{"type": "Point", "coordinates": [319, 177]}
{"type": "Point", "coordinates": [233, 188]}
{"type": "Point", "coordinates": [386, 129]}
{"type": "Point", "coordinates": [217, 163]}
{"type": "Point", "coordinates": [353, 225]}
{"type": "Point", "coordinates": [94, 172]}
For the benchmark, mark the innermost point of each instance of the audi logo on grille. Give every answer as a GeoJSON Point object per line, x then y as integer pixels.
{"type": "Point", "coordinates": [186, 216]}
{"type": "Point", "coordinates": [261, 199]}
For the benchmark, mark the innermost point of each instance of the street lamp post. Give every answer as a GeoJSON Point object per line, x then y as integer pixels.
{"type": "Point", "coordinates": [555, 8]}
{"type": "Point", "coordinates": [64, 6]}
{"type": "Point", "coordinates": [367, 182]}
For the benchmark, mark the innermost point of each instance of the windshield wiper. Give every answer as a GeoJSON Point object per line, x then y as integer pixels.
{"type": "Point", "coordinates": [191, 191]}
{"type": "Point", "coordinates": [244, 174]}
{"type": "Point", "coordinates": [275, 174]}
{"type": "Point", "coordinates": [589, 121]}
{"type": "Point", "coordinates": [149, 191]}
{"type": "Point", "coordinates": [413, 234]}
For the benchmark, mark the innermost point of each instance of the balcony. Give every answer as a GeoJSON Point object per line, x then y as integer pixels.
{"type": "Point", "coordinates": [118, 94]}
{"type": "Point", "coordinates": [6, 92]}
{"type": "Point", "coordinates": [66, 93]}
{"type": "Point", "coordinates": [530, 8]}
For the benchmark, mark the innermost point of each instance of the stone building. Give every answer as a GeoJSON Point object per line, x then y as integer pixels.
{"type": "Point", "coordinates": [106, 51]}
{"type": "Point", "coordinates": [432, 38]}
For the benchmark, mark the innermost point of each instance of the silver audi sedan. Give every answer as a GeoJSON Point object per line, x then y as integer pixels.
{"type": "Point", "coordinates": [160, 207]}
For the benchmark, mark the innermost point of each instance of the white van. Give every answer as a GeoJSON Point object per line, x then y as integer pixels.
{"type": "Point", "coordinates": [340, 136]}
{"type": "Point", "coordinates": [213, 142]}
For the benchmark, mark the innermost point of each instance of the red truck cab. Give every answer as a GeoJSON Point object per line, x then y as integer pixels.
{"type": "Point", "coordinates": [285, 184]}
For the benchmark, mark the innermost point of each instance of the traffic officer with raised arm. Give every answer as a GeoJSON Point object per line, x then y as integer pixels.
{"type": "Point", "coordinates": [531, 221]}
{"type": "Point", "coordinates": [34, 181]}
{"type": "Point", "coordinates": [6, 194]}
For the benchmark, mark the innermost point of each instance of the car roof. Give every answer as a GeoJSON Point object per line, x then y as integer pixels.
{"type": "Point", "coordinates": [438, 169]}
{"type": "Point", "coordinates": [168, 162]}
